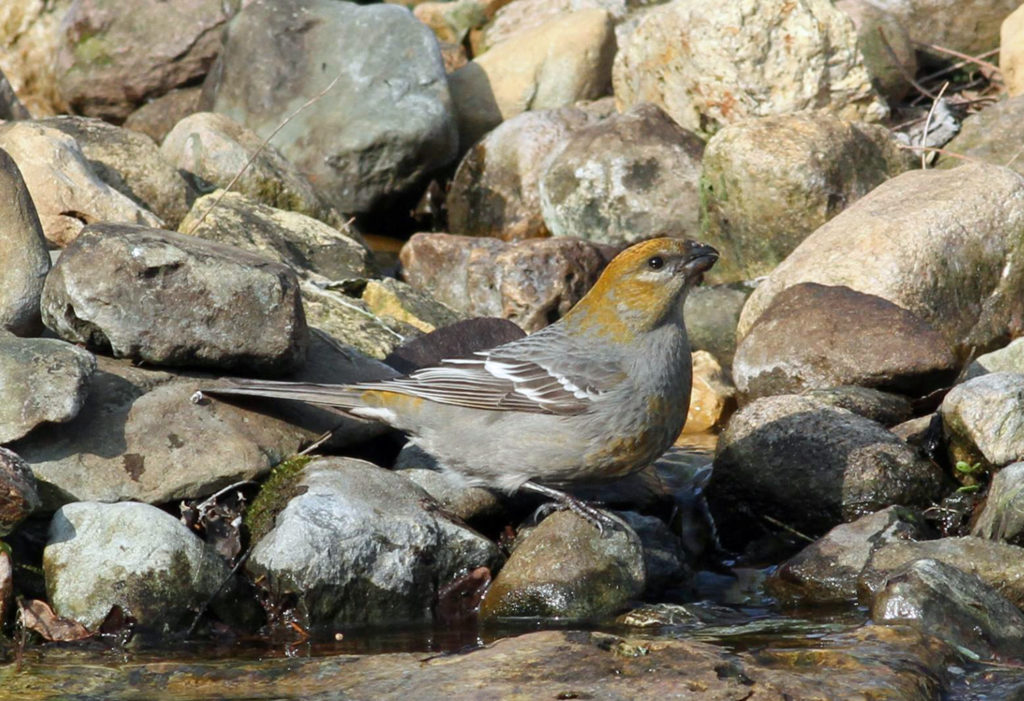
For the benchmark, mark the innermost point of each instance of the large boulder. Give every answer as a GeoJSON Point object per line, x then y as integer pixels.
{"type": "Point", "coordinates": [377, 132]}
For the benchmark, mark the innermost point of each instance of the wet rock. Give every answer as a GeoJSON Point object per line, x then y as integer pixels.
{"type": "Point", "coordinates": [815, 336]}
{"type": "Point", "coordinates": [993, 135]}
{"type": "Point", "coordinates": [170, 299]}
{"type": "Point", "coordinates": [360, 544]}
{"type": "Point", "coordinates": [1002, 517]}
{"type": "Point", "coordinates": [130, 163]}
{"type": "Point", "coordinates": [970, 27]}
{"type": "Point", "coordinates": [881, 407]}
{"type": "Point", "coordinates": [983, 420]}
{"type": "Point", "coordinates": [297, 240]}
{"type": "Point", "coordinates": [624, 179]}
{"type": "Point", "coordinates": [712, 313]}
{"type": "Point", "coordinates": [826, 571]}
{"type": "Point", "coordinates": [567, 59]}
{"type": "Point", "coordinates": [872, 661]}
{"type": "Point", "coordinates": [157, 117]}
{"type": "Point", "coordinates": [896, 243]}
{"type": "Point", "coordinates": [215, 148]}
{"type": "Point", "coordinates": [565, 568]}
{"type": "Point", "coordinates": [130, 555]}
{"type": "Point", "coordinates": [810, 466]}
{"type": "Point", "coordinates": [24, 260]}
{"type": "Point", "coordinates": [1009, 358]}
{"type": "Point", "coordinates": [496, 189]}
{"type": "Point", "coordinates": [44, 380]}
{"type": "Point", "coordinates": [67, 192]}
{"type": "Point", "coordinates": [29, 33]}
{"type": "Point", "coordinates": [1011, 52]}
{"type": "Point", "coordinates": [883, 41]}
{"type": "Point", "coordinates": [378, 132]}
{"type": "Point", "coordinates": [710, 64]}
{"type": "Point", "coordinates": [957, 607]}
{"type": "Point", "coordinates": [18, 494]}
{"type": "Point", "coordinates": [711, 396]}
{"type": "Point", "coordinates": [110, 61]}
{"type": "Point", "coordinates": [997, 564]}
{"type": "Point", "coordinates": [767, 183]}
{"type": "Point", "coordinates": [532, 282]}
{"type": "Point", "coordinates": [665, 565]}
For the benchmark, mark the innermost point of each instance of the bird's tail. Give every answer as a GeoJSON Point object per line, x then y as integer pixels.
{"type": "Point", "coordinates": [335, 396]}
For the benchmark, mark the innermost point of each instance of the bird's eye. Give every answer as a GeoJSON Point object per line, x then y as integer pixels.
{"type": "Point", "coordinates": [655, 262]}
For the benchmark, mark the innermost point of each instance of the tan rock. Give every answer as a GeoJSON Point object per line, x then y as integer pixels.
{"type": "Point", "coordinates": [565, 60]}
{"type": "Point", "coordinates": [29, 37]}
{"type": "Point", "coordinates": [711, 395]}
{"type": "Point", "coordinates": [1011, 51]}
{"type": "Point", "coordinates": [711, 64]}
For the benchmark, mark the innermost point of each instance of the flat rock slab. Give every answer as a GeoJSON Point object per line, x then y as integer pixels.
{"type": "Point", "coordinates": [874, 662]}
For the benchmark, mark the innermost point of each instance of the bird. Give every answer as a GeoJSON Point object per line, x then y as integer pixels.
{"type": "Point", "coordinates": [595, 396]}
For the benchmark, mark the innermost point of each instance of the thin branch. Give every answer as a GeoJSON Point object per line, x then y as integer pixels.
{"type": "Point", "coordinates": [956, 66]}
{"type": "Point", "coordinates": [928, 124]}
{"type": "Point", "coordinates": [788, 528]}
{"type": "Point", "coordinates": [944, 152]}
{"type": "Point", "coordinates": [951, 52]}
{"type": "Point", "coordinates": [259, 150]}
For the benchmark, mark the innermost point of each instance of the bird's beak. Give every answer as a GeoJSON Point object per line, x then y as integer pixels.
{"type": "Point", "coordinates": [700, 260]}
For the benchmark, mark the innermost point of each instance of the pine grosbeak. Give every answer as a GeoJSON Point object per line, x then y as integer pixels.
{"type": "Point", "coordinates": [597, 395]}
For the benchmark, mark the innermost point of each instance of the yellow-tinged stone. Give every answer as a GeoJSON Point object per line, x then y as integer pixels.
{"type": "Point", "coordinates": [711, 396]}
{"type": "Point", "coordinates": [1011, 51]}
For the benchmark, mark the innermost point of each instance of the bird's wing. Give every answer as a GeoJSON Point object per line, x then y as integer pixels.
{"type": "Point", "coordinates": [519, 376]}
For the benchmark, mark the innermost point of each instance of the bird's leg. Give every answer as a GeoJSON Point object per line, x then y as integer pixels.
{"type": "Point", "coordinates": [599, 519]}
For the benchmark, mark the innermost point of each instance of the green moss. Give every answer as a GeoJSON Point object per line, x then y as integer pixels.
{"type": "Point", "coordinates": [279, 488]}
{"type": "Point", "coordinates": [93, 50]}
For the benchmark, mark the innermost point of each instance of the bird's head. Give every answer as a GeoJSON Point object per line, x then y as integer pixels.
{"type": "Point", "coordinates": [642, 287]}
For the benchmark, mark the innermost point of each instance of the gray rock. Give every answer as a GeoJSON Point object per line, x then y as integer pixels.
{"type": "Point", "coordinates": [627, 178]}
{"type": "Point", "coordinates": [44, 380]}
{"type": "Point", "coordinates": [111, 61]}
{"type": "Point", "coordinates": [471, 504]}
{"type": "Point", "coordinates": [496, 189]}
{"type": "Point", "coordinates": [171, 299]}
{"type": "Point", "coordinates": [531, 282]}
{"type": "Point", "coordinates": [888, 51]}
{"type": "Point", "coordinates": [566, 59]}
{"type": "Point", "coordinates": [983, 420]}
{"type": "Point", "coordinates": [292, 238]}
{"type": "Point", "coordinates": [665, 565]}
{"type": "Point", "coordinates": [881, 407]}
{"type": "Point", "coordinates": [957, 607]}
{"type": "Point", "coordinates": [18, 494]}
{"type": "Point", "coordinates": [1002, 517]}
{"type": "Point", "coordinates": [712, 64]}
{"type": "Point", "coordinates": [826, 571]}
{"type": "Point", "coordinates": [997, 564]}
{"type": "Point", "coordinates": [385, 125]}
{"type": "Point", "coordinates": [217, 149]}
{"type": "Point", "coordinates": [360, 544]}
{"type": "Point", "coordinates": [565, 568]}
{"type": "Point", "coordinates": [992, 135]}
{"type": "Point", "coordinates": [130, 555]}
{"type": "Point", "coordinates": [24, 260]}
{"type": "Point", "coordinates": [810, 466]}
{"type": "Point", "coordinates": [139, 437]}
{"type": "Point", "coordinates": [67, 192]}
{"type": "Point", "coordinates": [157, 117]}
{"type": "Point", "coordinates": [10, 105]}
{"type": "Point", "coordinates": [132, 164]}
{"type": "Point", "coordinates": [815, 336]}
{"type": "Point", "coordinates": [712, 313]}
{"type": "Point", "coordinates": [767, 183]}
{"type": "Point", "coordinates": [970, 26]}
{"type": "Point", "coordinates": [1009, 358]}
{"type": "Point", "coordinates": [944, 245]}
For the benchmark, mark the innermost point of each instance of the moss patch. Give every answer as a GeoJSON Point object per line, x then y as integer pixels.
{"type": "Point", "coordinates": [277, 491]}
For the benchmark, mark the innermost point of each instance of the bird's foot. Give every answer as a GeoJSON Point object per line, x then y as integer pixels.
{"type": "Point", "coordinates": [596, 517]}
